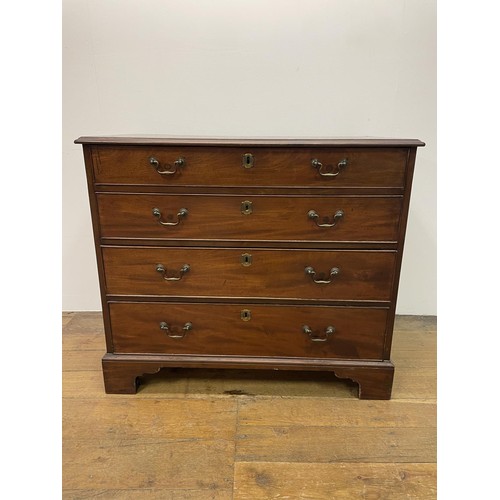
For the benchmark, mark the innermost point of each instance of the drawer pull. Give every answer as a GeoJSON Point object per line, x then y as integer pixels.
{"type": "Point", "coordinates": [164, 326]}
{"type": "Point", "coordinates": [160, 268]}
{"type": "Point", "coordinates": [332, 172]}
{"type": "Point", "coordinates": [180, 214]}
{"type": "Point", "coordinates": [311, 272]}
{"type": "Point", "coordinates": [329, 330]}
{"type": "Point", "coordinates": [180, 162]}
{"type": "Point", "coordinates": [312, 214]}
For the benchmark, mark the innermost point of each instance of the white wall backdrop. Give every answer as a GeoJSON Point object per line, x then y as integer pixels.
{"type": "Point", "coordinates": [250, 68]}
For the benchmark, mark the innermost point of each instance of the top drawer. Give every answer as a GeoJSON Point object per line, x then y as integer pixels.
{"type": "Point", "coordinates": [252, 166]}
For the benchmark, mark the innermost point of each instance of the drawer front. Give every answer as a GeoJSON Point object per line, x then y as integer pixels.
{"type": "Point", "coordinates": [201, 272]}
{"type": "Point", "coordinates": [252, 330]}
{"type": "Point", "coordinates": [269, 218]}
{"type": "Point", "coordinates": [219, 166]}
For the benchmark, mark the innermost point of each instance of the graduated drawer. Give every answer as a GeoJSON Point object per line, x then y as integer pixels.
{"type": "Point", "coordinates": [252, 166]}
{"type": "Point", "coordinates": [269, 218]}
{"type": "Point", "coordinates": [208, 272]}
{"type": "Point", "coordinates": [248, 330]}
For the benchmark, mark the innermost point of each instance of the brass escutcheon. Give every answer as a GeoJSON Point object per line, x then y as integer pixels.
{"type": "Point", "coordinates": [246, 259]}
{"type": "Point", "coordinates": [248, 160]}
{"type": "Point", "coordinates": [246, 207]}
{"type": "Point", "coordinates": [246, 315]}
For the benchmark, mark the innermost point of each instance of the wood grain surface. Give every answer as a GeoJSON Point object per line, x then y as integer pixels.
{"type": "Point", "coordinates": [237, 434]}
{"type": "Point", "coordinates": [277, 141]}
{"type": "Point", "coordinates": [363, 275]}
{"type": "Point", "coordinates": [209, 166]}
{"type": "Point", "coordinates": [335, 481]}
{"type": "Point", "coordinates": [270, 331]}
{"type": "Point", "coordinates": [273, 218]}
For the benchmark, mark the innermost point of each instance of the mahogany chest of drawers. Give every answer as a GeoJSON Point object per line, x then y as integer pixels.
{"type": "Point", "coordinates": [249, 253]}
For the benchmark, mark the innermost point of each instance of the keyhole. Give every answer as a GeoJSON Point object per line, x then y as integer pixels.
{"type": "Point", "coordinates": [248, 160]}
{"type": "Point", "coordinates": [246, 207]}
{"type": "Point", "coordinates": [246, 259]}
{"type": "Point", "coordinates": [246, 315]}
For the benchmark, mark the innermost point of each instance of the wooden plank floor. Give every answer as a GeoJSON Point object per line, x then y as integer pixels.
{"type": "Point", "coordinates": [201, 434]}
